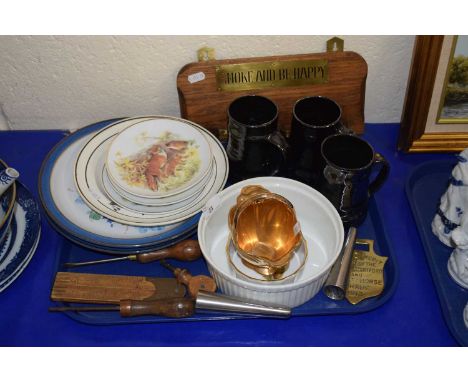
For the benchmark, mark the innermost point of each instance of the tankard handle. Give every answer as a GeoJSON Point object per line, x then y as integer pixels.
{"type": "Point", "coordinates": [277, 139]}
{"type": "Point", "coordinates": [342, 129]}
{"type": "Point", "coordinates": [381, 176]}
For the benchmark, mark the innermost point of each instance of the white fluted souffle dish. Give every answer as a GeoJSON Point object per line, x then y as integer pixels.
{"type": "Point", "coordinates": [321, 227]}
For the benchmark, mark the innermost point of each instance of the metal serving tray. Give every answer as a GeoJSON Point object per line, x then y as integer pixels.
{"type": "Point", "coordinates": [424, 187]}
{"type": "Point", "coordinates": [372, 228]}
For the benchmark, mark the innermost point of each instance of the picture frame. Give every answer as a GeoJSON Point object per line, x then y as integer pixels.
{"type": "Point", "coordinates": [422, 128]}
{"type": "Point", "coordinates": [453, 106]}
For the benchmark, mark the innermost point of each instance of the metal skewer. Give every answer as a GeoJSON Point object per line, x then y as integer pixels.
{"type": "Point", "coordinates": [187, 250]}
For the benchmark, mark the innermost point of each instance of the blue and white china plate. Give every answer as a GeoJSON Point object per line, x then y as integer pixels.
{"type": "Point", "coordinates": [7, 202]}
{"type": "Point", "coordinates": [68, 211]}
{"type": "Point", "coordinates": [23, 237]}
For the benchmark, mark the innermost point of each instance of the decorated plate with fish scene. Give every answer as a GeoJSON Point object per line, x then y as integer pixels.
{"type": "Point", "coordinates": [158, 157]}
{"type": "Point", "coordinates": [67, 210]}
{"type": "Point", "coordinates": [114, 190]}
{"type": "Point", "coordinates": [88, 179]}
{"type": "Point", "coordinates": [123, 201]}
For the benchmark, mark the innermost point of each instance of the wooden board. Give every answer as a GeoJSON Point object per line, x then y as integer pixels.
{"type": "Point", "coordinates": [202, 102]}
{"type": "Point", "coordinates": [111, 289]}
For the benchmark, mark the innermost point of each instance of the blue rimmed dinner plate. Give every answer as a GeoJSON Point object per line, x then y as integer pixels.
{"type": "Point", "coordinates": [22, 239]}
{"type": "Point", "coordinates": [127, 250]}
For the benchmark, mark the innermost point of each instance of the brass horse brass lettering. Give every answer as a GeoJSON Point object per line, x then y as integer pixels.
{"type": "Point", "coordinates": [260, 75]}
{"type": "Point", "coordinates": [365, 274]}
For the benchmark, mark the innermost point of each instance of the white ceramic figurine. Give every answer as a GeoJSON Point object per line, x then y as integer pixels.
{"type": "Point", "coordinates": [465, 315]}
{"type": "Point", "coordinates": [458, 261]}
{"type": "Point", "coordinates": [453, 203]}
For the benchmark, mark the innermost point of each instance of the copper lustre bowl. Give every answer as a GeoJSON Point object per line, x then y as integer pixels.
{"type": "Point", "coordinates": [264, 230]}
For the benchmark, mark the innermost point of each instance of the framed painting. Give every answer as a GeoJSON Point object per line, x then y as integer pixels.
{"type": "Point", "coordinates": [454, 101]}
{"type": "Point", "coordinates": [435, 113]}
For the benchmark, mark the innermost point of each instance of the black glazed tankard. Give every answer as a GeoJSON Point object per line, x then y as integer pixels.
{"type": "Point", "coordinates": [255, 145]}
{"type": "Point", "coordinates": [346, 177]}
{"type": "Point", "coordinates": [314, 119]}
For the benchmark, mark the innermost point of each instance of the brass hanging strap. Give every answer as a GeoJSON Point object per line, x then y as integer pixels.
{"type": "Point", "coordinates": [335, 44]}
{"type": "Point", "coordinates": [206, 54]}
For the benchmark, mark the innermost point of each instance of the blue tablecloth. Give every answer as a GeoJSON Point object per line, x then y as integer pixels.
{"type": "Point", "coordinates": [412, 317]}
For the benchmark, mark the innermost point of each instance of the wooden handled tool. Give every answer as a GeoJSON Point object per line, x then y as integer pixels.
{"type": "Point", "coordinates": [193, 283]}
{"type": "Point", "coordinates": [170, 307]}
{"type": "Point", "coordinates": [187, 250]}
{"type": "Point", "coordinates": [183, 307]}
{"type": "Point", "coordinates": [111, 289]}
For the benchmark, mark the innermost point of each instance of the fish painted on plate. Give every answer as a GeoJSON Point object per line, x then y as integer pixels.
{"type": "Point", "coordinates": [168, 163]}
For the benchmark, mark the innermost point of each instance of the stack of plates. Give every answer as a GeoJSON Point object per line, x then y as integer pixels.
{"type": "Point", "coordinates": [22, 236]}
{"type": "Point", "coordinates": [134, 185]}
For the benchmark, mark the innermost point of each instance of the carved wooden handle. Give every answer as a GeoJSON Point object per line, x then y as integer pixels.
{"type": "Point", "coordinates": [187, 250]}
{"type": "Point", "coordinates": [172, 307]}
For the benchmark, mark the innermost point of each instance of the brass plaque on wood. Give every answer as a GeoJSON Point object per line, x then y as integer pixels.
{"type": "Point", "coordinates": [202, 101]}
{"type": "Point", "coordinates": [261, 75]}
